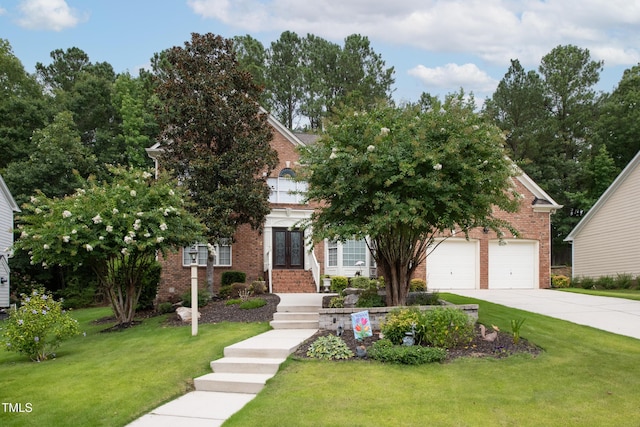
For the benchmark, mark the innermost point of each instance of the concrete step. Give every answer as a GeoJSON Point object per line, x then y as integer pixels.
{"type": "Point", "coordinates": [295, 324]}
{"type": "Point", "coordinates": [271, 344]}
{"type": "Point", "coordinates": [294, 315]}
{"type": "Point", "coordinates": [247, 365]}
{"type": "Point", "coordinates": [298, 308]}
{"type": "Point", "coordinates": [231, 383]}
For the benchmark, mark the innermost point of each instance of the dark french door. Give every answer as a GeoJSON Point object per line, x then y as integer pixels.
{"type": "Point", "coordinates": [288, 248]}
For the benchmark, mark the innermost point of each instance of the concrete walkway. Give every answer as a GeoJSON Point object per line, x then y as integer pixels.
{"type": "Point", "coordinates": [242, 372]}
{"type": "Point", "coordinates": [617, 315]}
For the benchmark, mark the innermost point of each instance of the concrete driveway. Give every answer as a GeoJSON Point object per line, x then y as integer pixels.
{"type": "Point", "coordinates": [617, 315]}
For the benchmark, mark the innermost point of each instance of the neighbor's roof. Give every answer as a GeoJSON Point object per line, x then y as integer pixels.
{"type": "Point", "coordinates": [605, 196]}
{"type": "Point", "coordinates": [7, 195]}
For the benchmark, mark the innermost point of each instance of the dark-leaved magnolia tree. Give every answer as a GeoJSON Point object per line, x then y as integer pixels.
{"type": "Point", "coordinates": [215, 137]}
{"type": "Point", "coordinates": [400, 176]}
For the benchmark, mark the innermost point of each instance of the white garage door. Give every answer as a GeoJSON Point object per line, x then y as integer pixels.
{"type": "Point", "coordinates": [513, 265]}
{"type": "Point", "coordinates": [454, 265]}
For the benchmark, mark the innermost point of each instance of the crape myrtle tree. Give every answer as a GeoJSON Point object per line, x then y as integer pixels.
{"type": "Point", "coordinates": [215, 137]}
{"type": "Point", "coordinates": [400, 176]}
{"type": "Point", "coordinates": [115, 227]}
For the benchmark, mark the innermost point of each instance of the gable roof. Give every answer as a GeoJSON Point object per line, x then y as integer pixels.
{"type": "Point", "coordinates": [542, 202]}
{"type": "Point", "coordinates": [633, 164]}
{"type": "Point", "coordinates": [4, 190]}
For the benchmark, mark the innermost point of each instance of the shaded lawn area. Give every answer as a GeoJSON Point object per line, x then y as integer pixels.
{"type": "Point", "coordinates": [110, 379]}
{"type": "Point", "coordinates": [633, 294]}
{"type": "Point", "coordinates": [584, 377]}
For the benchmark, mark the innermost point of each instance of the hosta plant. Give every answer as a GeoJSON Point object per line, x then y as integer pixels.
{"type": "Point", "coordinates": [329, 347]}
{"type": "Point", "coordinates": [38, 326]}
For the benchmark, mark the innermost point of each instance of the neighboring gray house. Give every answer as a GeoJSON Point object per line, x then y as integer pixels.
{"type": "Point", "coordinates": [606, 241]}
{"type": "Point", "coordinates": [7, 207]}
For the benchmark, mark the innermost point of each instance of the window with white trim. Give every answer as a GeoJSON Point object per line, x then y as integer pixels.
{"type": "Point", "coordinates": [332, 248]}
{"type": "Point", "coordinates": [285, 189]}
{"type": "Point", "coordinates": [354, 251]}
{"type": "Point", "coordinates": [222, 257]}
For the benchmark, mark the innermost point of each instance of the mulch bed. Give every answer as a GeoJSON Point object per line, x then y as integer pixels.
{"type": "Point", "coordinates": [503, 345]}
{"type": "Point", "coordinates": [217, 311]}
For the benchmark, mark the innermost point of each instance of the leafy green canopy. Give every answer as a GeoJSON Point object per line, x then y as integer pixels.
{"type": "Point", "coordinates": [215, 138]}
{"type": "Point", "coordinates": [115, 227]}
{"type": "Point", "coordinates": [400, 175]}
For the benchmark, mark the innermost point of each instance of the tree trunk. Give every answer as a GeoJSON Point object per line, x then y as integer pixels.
{"type": "Point", "coordinates": [396, 283]}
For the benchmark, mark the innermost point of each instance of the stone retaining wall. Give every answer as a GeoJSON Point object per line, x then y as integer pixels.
{"type": "Point", "coordinates": [330, 318]}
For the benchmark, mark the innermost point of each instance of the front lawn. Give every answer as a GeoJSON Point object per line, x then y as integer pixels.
{"type": "Point", "coordinates": [633, 294]}
{"type": "Point", "coordinates": [584, 377]}
{"type": "Point", "coordinates": [110, 379]}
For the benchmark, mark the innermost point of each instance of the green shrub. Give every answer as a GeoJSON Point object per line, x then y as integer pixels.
{"type": "Point", "coordinates": [339, 284]}
{"type": "Point", "coordinates": [370, 298]}
{"type": "Point", "coordinates": [203, 298]}
{"type": "Point", "coordinates": [253, 303]}
{"type": "Point", "coordinates": [165, 307]}
{"type": "Point", "coordinates": [336, 302]}
{"type": "Point", "coordinates": [417, 285]}
{"type": "Point", "coordinates": [399, 321]}
{"type": "Point", "coordinates": [149, 281]}
{"type": "Point", "coordinates": [384, 351]}
{"type": "Point", "coordinates": [258, 287]}
{"type": "Point", "coordinates": [360, 282]}
{"type": "Point", "coordinates": [587, 282]}
{"type": "Point", "coordinates": [76, 294]}
{"type": "Point", "coordinates": [231, 276]}
{"type": "Point", "coordinates": [233, 301]}
{"type": "Point", "coordinates": [605, 282]}
{"type": "Point", "coordinates": [423, 298]}
{"type": "Point", "coordinates": [225, 291]}
{"type": "Point", "coordinates": [448, 327]}
{"type": "Point", "coordinates": [329, 347]}
{"type": "Point", "coordinates": [623, 281]}
{"type": "Point", "coordinates": [560, 281]}
{"type": "Point", "coordinates": [38, 326]}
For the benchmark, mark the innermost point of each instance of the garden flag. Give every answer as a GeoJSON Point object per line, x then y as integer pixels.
{"type": "Point", "coordinates": [361, 325]}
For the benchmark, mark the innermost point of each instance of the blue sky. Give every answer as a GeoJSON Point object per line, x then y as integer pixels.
{"type": "Point", "coordinates": [436, 46]}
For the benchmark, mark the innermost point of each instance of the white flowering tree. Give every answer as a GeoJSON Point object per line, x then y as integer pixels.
{"type": "Point", "coordinates": [115, 227]}
{"type": "Point", "coordinates": [399, 176]}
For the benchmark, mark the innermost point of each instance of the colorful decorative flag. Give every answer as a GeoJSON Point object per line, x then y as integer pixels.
{"type": "Point", "coordinates": [361, 325]}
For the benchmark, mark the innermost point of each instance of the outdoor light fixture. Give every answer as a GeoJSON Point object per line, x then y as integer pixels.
{"type": "Point", "coordinates": [3, 280]}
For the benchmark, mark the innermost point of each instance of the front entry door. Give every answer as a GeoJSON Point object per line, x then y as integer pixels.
{"type": "Point", "coordinates": [288, 248]}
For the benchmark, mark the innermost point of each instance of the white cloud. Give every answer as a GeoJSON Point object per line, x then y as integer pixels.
{"type": "Point", "coordinates": [452, 77]}
{"type": "Point", "coordinates": [53, 15]}
{"type": "Point", "coordinates": [493, 30]}
{"type": "Point", "coordinates": [3, 11]}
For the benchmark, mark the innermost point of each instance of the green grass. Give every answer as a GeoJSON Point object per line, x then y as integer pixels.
{"type": "Point", "coordinates": [110, 379]}
{"type": "Point", "coordinates": [633, 294]}
{"type": "Point", "coordinates": [584, 377]}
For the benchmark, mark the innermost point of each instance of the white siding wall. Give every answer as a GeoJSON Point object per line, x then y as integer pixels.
{"type": "Point", "coordinates": [6, 240]}
{"type": "Point", "coordinates": [610, 242]}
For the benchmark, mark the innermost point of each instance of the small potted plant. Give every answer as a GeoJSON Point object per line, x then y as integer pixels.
{"type": "Point", "coordinates": [326, 283]}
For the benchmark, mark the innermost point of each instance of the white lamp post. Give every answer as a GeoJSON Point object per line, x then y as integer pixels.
{"type": "Point", "coordinates": [193, 253]}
